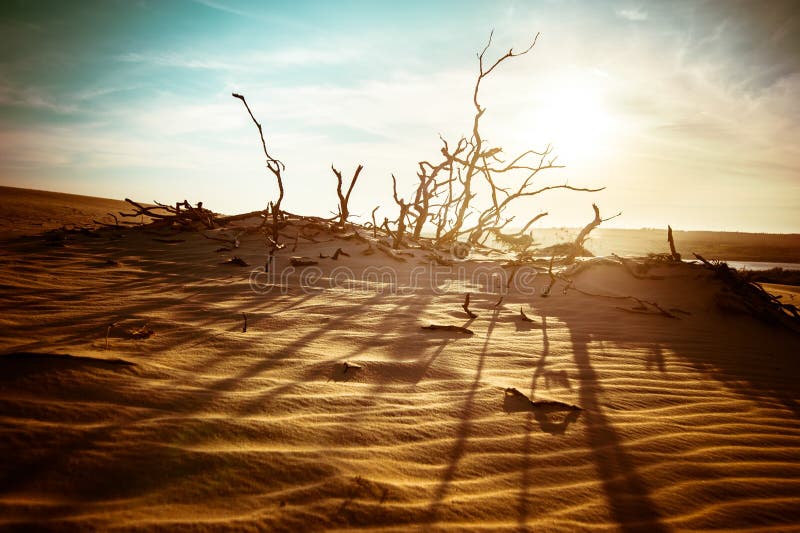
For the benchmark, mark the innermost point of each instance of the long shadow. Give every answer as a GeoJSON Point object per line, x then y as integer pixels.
{"type": "Point", "coordinates": [629, 500]}
{"type": "Point", "coordinates": [525, 481]}
{"type": "Point", "coordinates": [289, 349]}
{"type": "Point", "coordinates": [758, 363]}
{"type": "Point", "coordinates": [627, 494]}
{"type": "Point", "coordinates": [462, 433]}
{"type": "Point", "coordinates": [656, 357]}
{"type": "Point", "coordinates": [316, 371]}
{"type": "Point", "coordinates": [25, 472]}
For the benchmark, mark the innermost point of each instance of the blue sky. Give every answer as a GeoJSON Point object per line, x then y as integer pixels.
{"type": "Point", "coordinates": [686, 111]}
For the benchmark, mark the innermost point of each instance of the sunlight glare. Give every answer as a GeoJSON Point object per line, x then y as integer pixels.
{"type": "Point", "coordinates": [572, 116]}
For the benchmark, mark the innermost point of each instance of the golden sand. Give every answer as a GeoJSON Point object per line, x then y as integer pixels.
{"type": "Point", "coordinates": [686, 423]}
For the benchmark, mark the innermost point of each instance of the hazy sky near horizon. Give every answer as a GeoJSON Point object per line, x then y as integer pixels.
{"type": "Point", "coordinates": [688, 112]}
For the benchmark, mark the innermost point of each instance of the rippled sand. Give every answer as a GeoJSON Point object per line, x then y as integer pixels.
{"type": "Point", "coordinates": [686, 423]}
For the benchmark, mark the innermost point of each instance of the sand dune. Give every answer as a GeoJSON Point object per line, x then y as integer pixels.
{"type": "Point", "coordinates": [687, 423]}
{"type": "Point", "coordinates": [29, 212]}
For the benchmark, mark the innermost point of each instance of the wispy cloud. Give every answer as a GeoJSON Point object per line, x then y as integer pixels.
{"type": "Point", "coordinates": [170, 59]}
{"type": "Point", "coordinates": [32, 98]}
{"type": "Point", "coordinates": [91, 93]}
{"type": "Point", "coordinates": [635, 14]}
{"type": "Point", "coordinates": [285, 57]}
{"type": "Point", "coordinates": [220, 6]}
{"type": "Point", "coordinates": [252, 13]}
{"type": "Point", "coordinates": [306, 56]}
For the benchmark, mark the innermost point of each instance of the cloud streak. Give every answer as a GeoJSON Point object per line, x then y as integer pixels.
{"type": "Point", "coordinates": [33, 99]}
{"type": "Point", "coordinates": [633, 14]}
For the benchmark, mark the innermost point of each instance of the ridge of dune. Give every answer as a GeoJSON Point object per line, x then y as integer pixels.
{"type": "Point", "coordinates": [686, 423]}
{"type": "Point", "coordinates": [27, 212]}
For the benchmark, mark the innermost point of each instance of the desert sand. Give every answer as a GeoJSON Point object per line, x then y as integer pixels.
{"type": "Point", "coordinates": [689, 421]}
{"type": "Point", "coordinates": [30, 212]}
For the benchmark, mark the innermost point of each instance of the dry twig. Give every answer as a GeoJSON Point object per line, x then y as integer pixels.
{"type": "Point", "coordinates": [459, 329]}
{"type": "Point", "coordinates": [465, 306]}
{"type": "Point", "coordinates": [523, 316]}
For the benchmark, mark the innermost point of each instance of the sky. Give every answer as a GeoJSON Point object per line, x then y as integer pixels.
{"type": "Point", "coordinates": [687, 112]}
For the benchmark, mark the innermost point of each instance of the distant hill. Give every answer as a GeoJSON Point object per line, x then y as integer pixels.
{"type": "Point", "coordinates": [731, 246]}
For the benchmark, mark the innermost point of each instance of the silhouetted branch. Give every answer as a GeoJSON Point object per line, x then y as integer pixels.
{"type": "Point", "coordinates": [401, 219]}
{"type": "Point", "coordinates": [274, 165]}
{"type": "Point", "coordinates": [344, 198]}
{"type": "Point", "coordinates": [577, 246]}
{"type": "Point", "coordinates": [675, 255]}
{"type": "Point", "coordinates": [465, 307]}
{"type": "Point", "coordinates": [553, 278]}
{"type": "Point", "coordinates": [374, 222]}
{"type": "Point", "coordinates": [751, 298]}
{"type": "Point", "coordinates": [174, 215]}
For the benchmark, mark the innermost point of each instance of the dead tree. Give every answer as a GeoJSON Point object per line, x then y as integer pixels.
{"type": "Point", "coordinates": [472, 165]}
{"type": "Point", "coordinates": [344, 199]}
{"type": "Point", "coordinates": [431, 187]}
{"type": "Point", "coordinates": [477, 151]}
{"type": "Point", "coordinates": [490, 218]}
{"type": "Point", "coordinates": [166, 215]}
{"type": "Point", "coordinates": [442, 216]}
{"type": "Point", "coordinates": [577, 245]}
{"type": "Point", "coordinates": [425, 192]}
{"type": "Point", "coordinates": [273, 165]}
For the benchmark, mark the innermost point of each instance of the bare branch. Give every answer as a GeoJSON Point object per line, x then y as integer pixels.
{"type": "Point", "coordinates": [274, 165]}
{"type": "Point", "coordinates": [344, 198]}
{"type": "Point", "coordinates": [465, 307]}
{"type": "Point", "coordinates": [577, 246]}
{"type": "Point", "coordinates": [401, 219]}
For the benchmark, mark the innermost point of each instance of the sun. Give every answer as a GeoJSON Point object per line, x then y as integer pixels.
{"type": "Point", "coordinates": [573, 117]}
